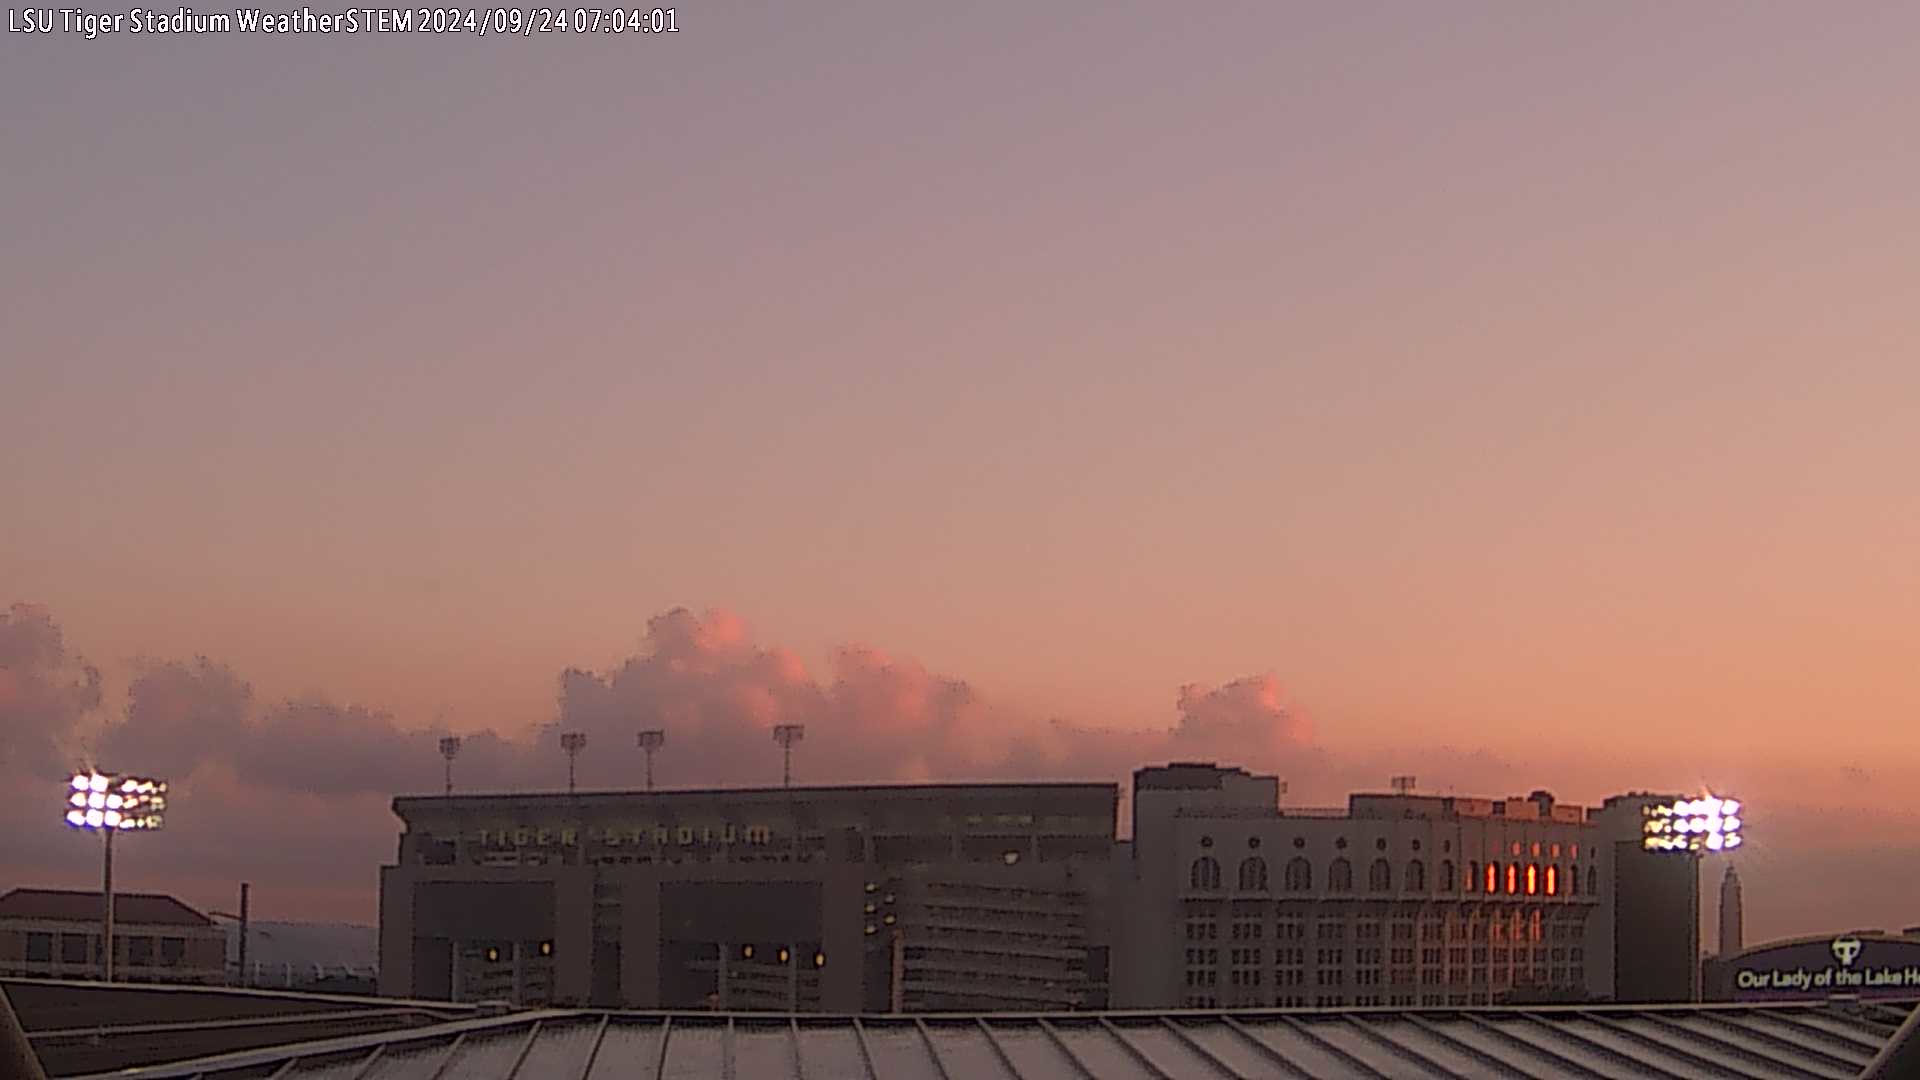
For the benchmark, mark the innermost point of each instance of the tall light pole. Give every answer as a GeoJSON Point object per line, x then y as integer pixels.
{"type": "Point", "coordinates": [572, 742]}
{"type": "Point", "coordinates": [651, 741]}
{"type": "Point", "coordinates": [450, 749]}
{"type": "Point", "coordinates": [786, 735]}
{"type": "Point", "coordinates": [109, 804]}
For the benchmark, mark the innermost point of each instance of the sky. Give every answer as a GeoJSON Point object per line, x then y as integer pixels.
{"type": "Point", "coordinates": [1512, 396]}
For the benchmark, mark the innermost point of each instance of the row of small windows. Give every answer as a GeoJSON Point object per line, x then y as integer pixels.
{"type": "Point", "coordinates": [1550, 850]}
{"type": "Point", "coordinates": [1297, 876]}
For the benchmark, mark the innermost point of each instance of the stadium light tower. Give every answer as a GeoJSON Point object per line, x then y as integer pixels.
{"type": "Point", "coordinates": [1694, 826]}
{"type": "Point", "coordinates": [649, 742]}
{"type": "Point", "coordinates": [450, 749]}
{"type": "Point", "coordinates": [109, 804]}
{"type": "Point", "coordinates": [572, 742]}
{"type": "Point", "coordinates": [786, 735]}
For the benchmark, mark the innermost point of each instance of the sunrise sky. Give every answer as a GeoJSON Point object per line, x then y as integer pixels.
{"type": "Point", "coordinates": [1515, 396]}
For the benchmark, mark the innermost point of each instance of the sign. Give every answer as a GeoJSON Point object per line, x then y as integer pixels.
{"type": "Point", "coordinates": [1846, 965]}
{"type": "Point", "coordinates": [613, 836]}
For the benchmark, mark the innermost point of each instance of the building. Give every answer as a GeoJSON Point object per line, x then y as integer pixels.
{"type": "Point", "coordinates": [1867, 964]}
{"type": "Point", "coordinates": [1650, 939]}
{"type": "Point", "coordinates": [1733, 921]}
{"type": "Point", "coordinates": [55, 934]}
{"type": "Point", "coordinates": [842, 899]}
{"type": "Point", "coordinates": [1395, 900]}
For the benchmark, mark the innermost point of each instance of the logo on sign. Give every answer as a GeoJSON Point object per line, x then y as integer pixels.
{"type": "Point", "coordinates": [1846, 950]}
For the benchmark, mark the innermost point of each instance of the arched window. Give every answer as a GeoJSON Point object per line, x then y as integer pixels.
{"type": "Point", "coordinates": [1573, 881]}
{"type": "Point", "coordinates": [1473, 875]}
{"type": "Point", "coordinates": [1253, 874]}
{"type": "Point", "coordinates": [1206, 873]}
{"type": "Point", "coordinates": [1340, 876]}
{"type": "Point", "coordinates": [1416, 876]}
{"type": "Point", "coordinates": [1380, 876]}
{"type": "Point", "coordinates": [1299, 875]}
{"type": "Point", "coordinates": [1593, 881]}
{"type": "Point", "coordinates": [1446, 874]}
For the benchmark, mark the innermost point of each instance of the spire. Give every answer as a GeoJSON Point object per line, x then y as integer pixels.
{"type": "Point", "coordinates": [1732, 919]}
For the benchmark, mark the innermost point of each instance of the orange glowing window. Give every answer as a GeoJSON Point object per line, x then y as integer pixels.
{"type": "Point", "coordinates": [1536, 849]}
{"type": "Point", "coordinates": [1493, 877]}
{"type": "Point", "coordinates": [1553, 880]}
{"type": "Point", "coordinates": [1533, 879]}
{"type": "Point", "coordinates": [1516, 847]}
{"type": "Point", "coordinates": [1513, 878]}
{"type": "Point", "coordinates": [1556, 851]}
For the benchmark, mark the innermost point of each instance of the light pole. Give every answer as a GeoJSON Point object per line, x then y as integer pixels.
{"type": "Point", "coordinates": [786, 735]}
{"type": "Point", "coordinates": [450, 749]}
{"type": "Point", "coordinates": [572, 742]}
{"type": "Point", "coordinates": [649, 742]}
{"type": "Point", "coordinates": [110, 804]}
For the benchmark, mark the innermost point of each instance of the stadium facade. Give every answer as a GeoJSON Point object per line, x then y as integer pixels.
{"type": "Point", "coordinates": [1021, 897]}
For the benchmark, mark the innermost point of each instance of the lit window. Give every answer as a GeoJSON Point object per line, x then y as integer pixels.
{"type": "Point", "coordinates": [1513, 878]}
{"type": "Point", "coordinates": [1556, 851]}
{"type": "Point", "coordinates": [1553, 880]}
{"type": "Point", "coordinates": [1493, 877]}
{"type": "Point", "coordinates": [1536, 849]}
{"type": "Point", "coordinates": [1533, 877]}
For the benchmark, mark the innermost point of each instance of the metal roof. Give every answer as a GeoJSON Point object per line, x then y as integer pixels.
{"type": "Point", "coordinates": [1753, 1042]}
{"type": "Point", "coordinates": [81, 906]}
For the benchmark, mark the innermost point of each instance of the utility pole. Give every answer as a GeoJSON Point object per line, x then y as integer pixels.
{"type": "Point", "coordinates": [572, 742]}
{"type": "Point", "coordinates": [450, 749]}
{"type": "Point", "coordinates": [651, 741]}
{"type": "Point", "coordinates": [786, 735]}
{"type": "Point", "coordinates": [246, 896]}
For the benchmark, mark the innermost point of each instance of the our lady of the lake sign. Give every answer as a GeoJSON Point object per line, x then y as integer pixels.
{"type": "Point", "coordinates": [1852, 965]}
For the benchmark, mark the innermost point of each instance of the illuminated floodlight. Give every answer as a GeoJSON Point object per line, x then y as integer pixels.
{"type": "Point", "coordinates": [115, 803]}
{"type": "Point", "coordinates": [1706, 824]}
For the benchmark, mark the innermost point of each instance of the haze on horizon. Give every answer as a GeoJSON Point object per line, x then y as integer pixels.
{"type": "Point", "coordinates": [1513, 397]}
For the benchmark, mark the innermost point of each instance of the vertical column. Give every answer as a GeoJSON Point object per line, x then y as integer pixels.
{"type": "Point", "coordinates": [457, 980]}
{"type": "Point", "coordinates": [106, 892]}
{"type": "Point", "coordinates": [519, 973]}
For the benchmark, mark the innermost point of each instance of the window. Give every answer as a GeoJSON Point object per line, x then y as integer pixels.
{"type": "Point", "coordinates": [1513, 878]}
{"type": "Point", "coordinates": [1446, 874]}
{"type": "Point", "coordinates": [1380, 876]}
{"type": "Point", "coordinates": [1253, 874]}
{"type": "Point", "coordinates": [139, 951]}
{"type": "Point", "coordinates": [40, 948]}
{"type": "Point", "coordinates": [1493, 877]}
{"type": "Point", "coordinates": [1416, 876]}
{"type": "Point", "coordinates": [1206, 873]}
{"type": "Point", "coordinates": [1553, 880]}
{"type": "Point", "coordinates": [1593, 881]}
{"type": "Point", "coordinates": [1340, 876]}
{"type": "Point", "coordinates": [1299, 875]}
{"type": "Point", "coordinates": [73, 948]}
{"type": "Point", "coordinates": [173, 950]}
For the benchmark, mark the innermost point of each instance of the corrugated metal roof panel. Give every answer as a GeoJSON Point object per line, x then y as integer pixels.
{"type": "Point", "coordinates": [1749, 1043]}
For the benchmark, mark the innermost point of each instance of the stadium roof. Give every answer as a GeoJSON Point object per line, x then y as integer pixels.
{"type": "Point", "coordinates": [1836, 1039]}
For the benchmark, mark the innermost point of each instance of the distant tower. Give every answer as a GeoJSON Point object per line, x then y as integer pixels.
{"type": "Point", "coordinates": [649, 742]}
{"type": "Point", "coordinates": [1402, 785]}
{"type": "Point", "coordinates": [572, 742]}
{"type": "Point", "coordinates": [1732, 921]}
{"type": "Point", "coordinates": [450, 749]}
{"type": "Point", "coordinates": [786, 735]}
